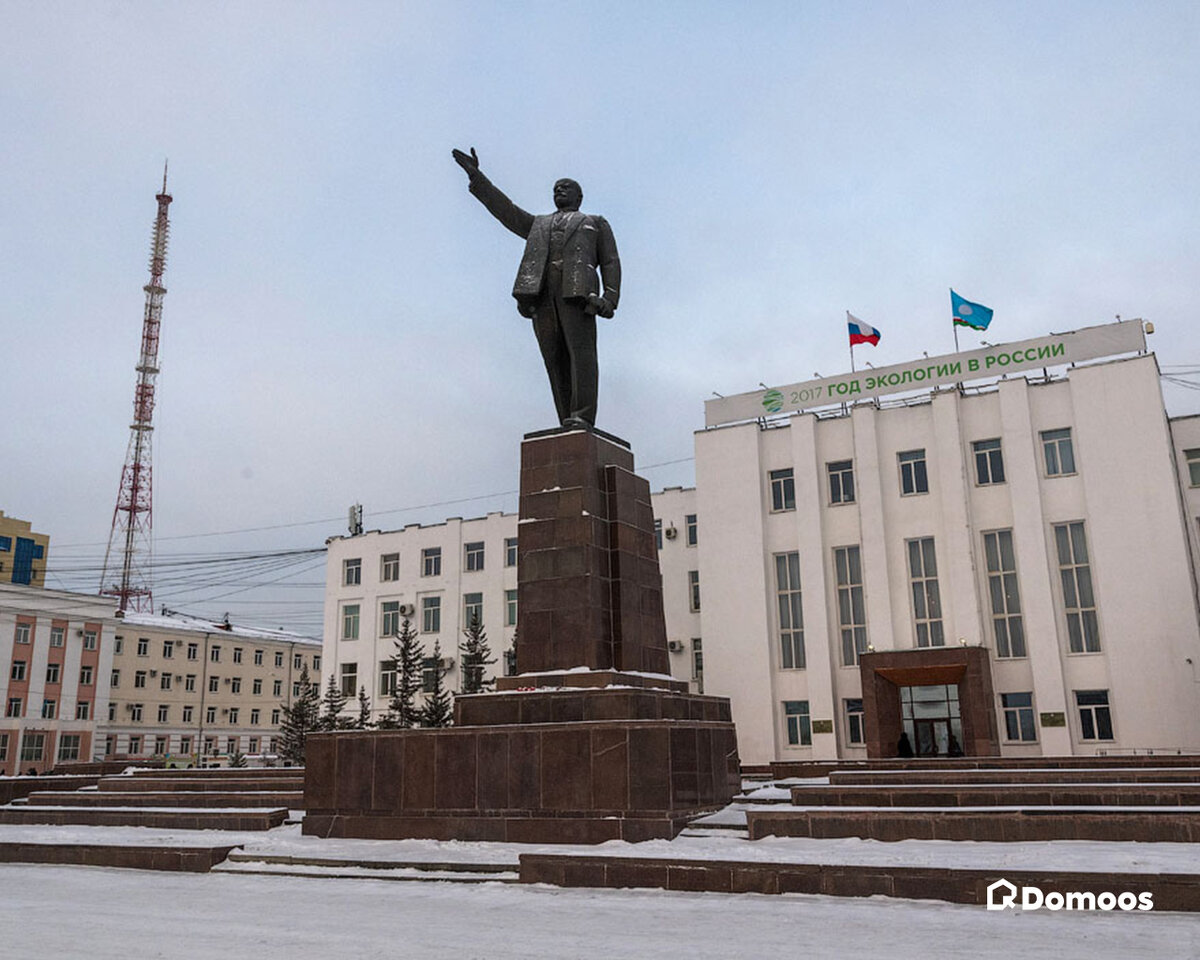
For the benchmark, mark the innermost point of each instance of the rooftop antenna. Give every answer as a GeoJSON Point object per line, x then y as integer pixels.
{"type": "Point", "coordinates": [128, 557]}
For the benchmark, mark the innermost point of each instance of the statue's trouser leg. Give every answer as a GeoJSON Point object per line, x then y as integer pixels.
{"type": "Point", "coordinates": [549, 333]}
{"type": "Point", "coordinates": [579, 331]}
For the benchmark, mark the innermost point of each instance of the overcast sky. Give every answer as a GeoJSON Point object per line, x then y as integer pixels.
{"type": "Point", "coordinates": [339, 325]}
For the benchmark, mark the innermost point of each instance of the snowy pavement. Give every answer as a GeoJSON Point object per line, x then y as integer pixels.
{"type": "Point", "coordinates": [111, 914]}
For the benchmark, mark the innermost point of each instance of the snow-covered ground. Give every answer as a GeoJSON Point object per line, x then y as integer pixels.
{"type": "Point", "coordinates": [110, 914]}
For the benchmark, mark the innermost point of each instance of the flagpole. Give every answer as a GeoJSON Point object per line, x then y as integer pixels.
{"type": "Point", "coordinates": [955, 325]}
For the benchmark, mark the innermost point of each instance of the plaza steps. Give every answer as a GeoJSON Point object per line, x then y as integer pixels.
{"type": "Point", "coordinates": [1094, 775]}
{"type": "Point", "coordinates": [290, 799]}
{"type": "Point", "coordinates": [182, 783]}
{"type": "Point", "coordinates": [190, 859]}
{"type": "Point", "coordinates": [165, 818]}
{"type": "Point", "coordinates": [244, 862]}
{"type": "Point", "coordinates": [782, 769]}
{"type": "Point", "coordinates": [997, 795]}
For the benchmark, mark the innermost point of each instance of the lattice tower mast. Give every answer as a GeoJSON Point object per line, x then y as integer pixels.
{"type": "Point", "coordinates": [130, 547]}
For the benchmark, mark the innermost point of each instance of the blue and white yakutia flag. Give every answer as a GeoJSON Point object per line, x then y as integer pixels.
{"type": "Point", "coordinates": [968, 314]}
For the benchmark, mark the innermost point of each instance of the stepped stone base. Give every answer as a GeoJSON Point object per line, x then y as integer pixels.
{"type": "Point", "coordinates": [141, 857]}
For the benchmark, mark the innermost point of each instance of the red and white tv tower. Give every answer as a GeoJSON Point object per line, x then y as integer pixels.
{"type": "Point", "coordinates": [126, 573]}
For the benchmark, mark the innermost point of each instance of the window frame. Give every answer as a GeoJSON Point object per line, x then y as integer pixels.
{"type": "Point", "coordinates": [989, 462]}
{"type": "Point", "coordinates": [389, 567]}
{"type": "Point", "coordinates": [352, 572]}
{"type": "Point", "coordinates": [851, 631]}
{"type": "Point", "coordinates": [431, 561]}
{"type": "Point", "coordinates": [1015, 715]}
{"type": "Point", "coordinates": [474, 554]}
{"type": "Point", "coordinates": [1087, 628]}
{"type": "Point", "coordinates": [1093, 716]}
{"type": "Point", "coordinates": [782, 487]}
{"type": "Point", "coordinates": [691, 529]}
{"type": "Point", "coordinates": [925, 592]}
{"type": "Point", "coordinates": [789, 611]}
{"type": "Point", "coordinates": [999, 595]}
{"type": "Point", "coordinates": [840, 476]}
{"type": "Point", "coordinates": [1054, 443]}
{"type": "Point", "coordinates": [914, 471]}
{"type": "Point", "coordinates": [351, 621]}
{"type": "Point", "coordinates": [797, 723]}
{"type": "Point", "coordinates": [431, 613]}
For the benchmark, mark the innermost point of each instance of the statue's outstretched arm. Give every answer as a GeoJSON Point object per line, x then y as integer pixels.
{"type": "Point", "coordinates": [498, 205]}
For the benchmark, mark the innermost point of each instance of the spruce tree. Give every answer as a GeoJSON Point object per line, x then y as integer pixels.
{"type": "Point", "coordinates": [437, 710]}
{"type": "Point", "coordinates": [237, 759]}
{"type": "Point", "coordinates": [299, 717]}
{"type": "Point", "coordinates": [476, 658]}
{"type": "Point", "coordinates": [402, 708]}
{"type": "Point", "coordinates": [364, 710]}
{"type": "Point", "coordinates": [331, 707]}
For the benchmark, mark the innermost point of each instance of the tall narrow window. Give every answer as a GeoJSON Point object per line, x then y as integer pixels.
{"type": "Point", "coordinates": [431, 562]}
{"type": "Point", "coordinates": [350, 617]}
{"type": "Point", "coordinates": [927, 602]}
{"type": "Point", "coordinates": [914, 476]}
{"type": "Point", "coordinates": [691, 530]}
{"type": "Point", "coordinates": [510, 551]}
{"type": "Point", "coordinates": [989, 462]}
{"type": "Point", "coordinates": [431, 614]}
{"type": "Point", "coordinates": [352, 570]}
{"type": "Point", "coordinates": [783, 490]}
{"type": "Point", "coordinates": [1095, 717]}
{"type": "Point", "coordinates": [694, 590]}
{"type": "Point", "coordinates": [698, 662]}
{"type": "Point", "coordinates": [349, 679]}
{"type": "Point", "coordinates": [510, 608]}
{"type": "Point", "coordinates": [389, 618]}
{"type": "Point", "coordinates": [1007, 624]}
{"type": "Point", "coordinates": [473, 553]}
{"type": "Point", "coordinates": [387, 677]}
{"type": "Point", "coordinates": [852, 614]}
{"type": "Point", "coordinates": [658, 534]}
{"type": "Point", "coordinates": [841, 481]}
{"type": "Point", "coordinates": [1018, 716]}
{"type": "Point", "coordinates": [798, 723]}
{"type": "Point", "coordinates": [389, 567]}
{"type": "Point", "coordinates": [791, 616]}
{"type": "Point", "coordinates": [1058, 452]}
{"type": "Point", "coordinates": [472, 608]}
{"type": "Point", "coordinates": [1193, 464]}
{"type": "Point", "coordinates": [854, 721]}
{"type": "Point", "coordinates": [1083, 626]}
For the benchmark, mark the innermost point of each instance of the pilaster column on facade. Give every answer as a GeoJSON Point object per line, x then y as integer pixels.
{"type": "Point", "coordinates": [1035, 575]}
{"type": "Point", "coordinates": [821, 635]}
{"type": "Point", "coordinates": [956, 558]}
{"type": "Point", "coordinates": [733, 613]}
{"type": "Point", "coordinates": [877, 579]}
{"type": "Point", "coordinates": [1138, 552]}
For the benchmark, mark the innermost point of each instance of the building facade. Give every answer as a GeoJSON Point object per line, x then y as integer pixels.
{"type": "Point", "coordinates": [23, 553]}
{"type": "Point", "coordinates": [55, 654]}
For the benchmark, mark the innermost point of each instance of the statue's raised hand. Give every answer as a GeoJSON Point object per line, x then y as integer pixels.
{"type": "Point", "coordinates": [469, 162]}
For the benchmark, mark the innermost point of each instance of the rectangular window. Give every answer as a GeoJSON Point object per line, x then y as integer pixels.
{"type": "Point", "coordinates": [799, 726]}
{"type": "Point", "coordinates": [135, 745]}
{"type": "Point", "coordinates": [168, 649]}
{"type": "Point", "coordinates": [855, 731]}
{"type": "Point", "coordinates": [1193, 464]}
{"type": "Point", "coordinates": [83, 709]}
{"type": "Point", "coordinates": [14, 707]}
{"type": "Point", "coordinates": [389, 567]}
{"type": "Point", "coordinates": [430, 668]}
{"type": "Point", "coordinates": [57, 636]}
{"type": "Point", "coordinates": [275, 715]}
{"type": "Point", "coordinates": [118, 645]}
{"type": "Point", "coordinates": [510, 551]}
{"type": "Point", "coordinates": [68, 746]}
{"type": "Point", "coordinates": [431, 562]}
{"type": "Point", "coordinates": [143, 647]}
{"type": "Point", "coordinates": [235, 685]}
{"type": "Point", "coordinates": [852, 614]}
{"type": "Point", "coordinates": [473, 556]}
{"type": "Point", "coordinates": [52, 671]}
{"type": "Point", "coordinates": [210, 715]}
{"type": "Point", "coordinates": [698, 662]}
{"type": "Point", "coordinates": [89, 640]}
{"type": "Point", "coordinates": [1095, 718]}
{"type": "Point", "coordinates": [233, 714]}
{"type": "Point", "coordinates": [927, 601]}
{"type": "Point", "coordinates": [49, 709]}
{"type": "Point", "coordinates": [112, 710]}
{"type": "Point", "coordinates": [350, 614]}
{"type": "Point", "coordinates": [187, 714]}
{"type": "Point", "coordinates": [472, 608]}
{"type": "Point", "coordinates": [135, 712]}
{"type": "Point", "coordinates": [214, 684]}
{"type": "Point", "coordinates": [1058, 452]}
{"type": "Point", "coordinates": [254, 717]}
{"type": "Point", "coordinates": [159, 745]}
{"type": "Point", "coordinates": [914, 476]}
{"type": "Point", "coordinates": [214, 653]}
{"type": "Point", "coordinates": [256, 687]}
{"type": "Point", "coordinates": [278, 658]}
{"type": "Point", "coordinates": [1018, 716]}
{"type": "Point", "coordinates": [791, 616]}
{"type": "Point", "coordinates": [1007, 623]}
{"type": "Point", "coordinates": [389, 618]}
{"type": "Point", "coordinates": [185, 745]}
{"type": "Point", "coordinates": [349, 675]}
{"type": "Point", "coordinates": [1075, 573]}
{"type": "Point", "coordinates": [658, 534]}
{"type": "Point", "coordinates": [510, 663]}
{"type": "Point", "coordinates": [115, 679]}
{"type": "Point", "coordinates": [691, 531]}
{"type": "Point", "coordinates": [164, 681]}
{"type": "Point", "coordinates": [352, 572]}
{"type": "Point", "coordinates": [3, 747]}
{"type": "Point", "coordinates": [85, 676]}
{"type": "Point", "coordinates": [387, 677]}
{"type": "Point", "coordinates": [164, 711]}
{"type": "Point", "coordinates": [18, 670]}
{"type": "Point", "coordinates": [277, 688]}
{"type": "Point", "coordinates": [21, 635]}
{"type": "Point", "coordinates": [139, 679]}
{"type": "Point", "coordinates": [694, 590]}
{"type": "Point", "coordinates": [431, 614]}
{"type": "Point", "coordinates": [510, 608]}
{"type": "Point", "coordinates": [783, 490]}
{"type": "Point", "coordinates": [189, 682]}
{"type": "Point", "coordinates": [841, 481]}
{"type": "Point", "coordinates": [237, 654]}
{"type": "Point", "coordinates": [989, 462]}
{"type": "Point", "coordinates": [210, 745]}
{"type": "Point", "coordinates": [193, 651]}
{"type": "Point", "coordinates": [258, 658]}
{"type": "Point", "coordinates": [316, 661]}
{"type": "Point", "coordinates": [33, 746]}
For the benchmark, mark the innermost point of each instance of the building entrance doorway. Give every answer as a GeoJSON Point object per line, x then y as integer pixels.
{"type": "Point", "coordinates": [930, 715]}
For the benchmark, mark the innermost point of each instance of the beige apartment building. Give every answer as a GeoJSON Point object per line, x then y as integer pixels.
{"type": "Point", "coordinates": [182, 686]}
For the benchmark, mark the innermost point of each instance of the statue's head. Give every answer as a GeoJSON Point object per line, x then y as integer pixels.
{"type": "Point", "coordinates": [568, 194]}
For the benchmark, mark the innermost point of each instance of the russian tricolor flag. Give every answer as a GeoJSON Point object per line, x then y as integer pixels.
{"type": "Point", "coordinates": [861, 332]}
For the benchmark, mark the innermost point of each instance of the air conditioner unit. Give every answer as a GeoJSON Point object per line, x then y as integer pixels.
{"type": "Point", "coordinates": [407, 609]}
{"type": "Point", "coordinates": [224, 710]}
{"type": "Point", "coordinates": [79, 633]}
{"type": "Point", "coordinates": [228, 680]}
{"type": "Point", "coordinates": [675, 646]}
{"type": "Point", "coordinates": [671, 533]}
{"type": "Point", "coordinates": [129, 708]}
{"type": "Point", "coordinates": [154, 673]}
{"type": "Point", "coordinates": [179, 643]}
{"type": "Point", "coordinates": [447, 663]}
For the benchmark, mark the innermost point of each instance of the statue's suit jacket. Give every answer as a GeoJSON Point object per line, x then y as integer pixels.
{"type": "Point", "coordinates": [588, 245]}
